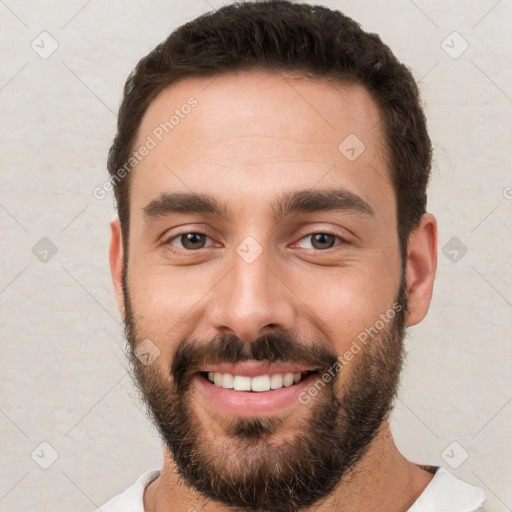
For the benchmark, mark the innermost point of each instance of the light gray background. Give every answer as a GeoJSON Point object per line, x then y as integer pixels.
{"type": "Point", "coordinates": [63, 378]}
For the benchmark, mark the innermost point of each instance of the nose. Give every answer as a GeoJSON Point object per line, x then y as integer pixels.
{"type": "Point", "coordinates": [251, 300]}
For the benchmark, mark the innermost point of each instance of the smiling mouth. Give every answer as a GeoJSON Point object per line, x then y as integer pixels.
{"type": "Point", "coordinates": [256, 384]}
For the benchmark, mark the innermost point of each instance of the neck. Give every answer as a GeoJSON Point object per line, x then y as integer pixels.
{"type": "Point", "coordinates": [382, 480]}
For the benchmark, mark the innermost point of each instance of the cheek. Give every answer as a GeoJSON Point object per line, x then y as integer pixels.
{"type": "Point", "coordinates": [164, 303]}
{"type": "Point", "coordinates": [343, 302]}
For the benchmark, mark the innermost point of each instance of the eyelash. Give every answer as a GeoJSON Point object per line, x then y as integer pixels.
{"type": "Point", "coordinates": [323, 232]}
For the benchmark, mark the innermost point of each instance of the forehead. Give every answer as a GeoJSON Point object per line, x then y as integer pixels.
{"type": "Point", "coordinates": [268, 101]}
{"type": "Point", "coordinates": [256, 131]}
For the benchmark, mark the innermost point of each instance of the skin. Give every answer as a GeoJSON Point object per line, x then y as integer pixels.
{"type": "Point", "coordinates": [252, 136]}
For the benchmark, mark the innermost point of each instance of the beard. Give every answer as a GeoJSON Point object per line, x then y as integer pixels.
{"type": "Point", "coordinates": [249, 465]}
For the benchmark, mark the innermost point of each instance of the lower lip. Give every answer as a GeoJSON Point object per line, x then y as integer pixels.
{"type": "Point", "coordinates": [250, 403]}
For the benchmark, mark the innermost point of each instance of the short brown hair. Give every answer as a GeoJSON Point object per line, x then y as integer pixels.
{"type": "Point", "coordinates": [280, 35]}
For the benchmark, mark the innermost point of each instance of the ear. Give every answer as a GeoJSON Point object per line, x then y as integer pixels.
{"type": "Point", "coordinates": [116, 262]}
{"type": "Point", "coordinates": [421, 269]}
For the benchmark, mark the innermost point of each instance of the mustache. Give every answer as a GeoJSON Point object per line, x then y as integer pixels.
{"type": "Point", "coordinates": [271, 348]}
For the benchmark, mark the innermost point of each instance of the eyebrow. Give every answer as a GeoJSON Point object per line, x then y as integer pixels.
{"type": "Point", "coordinates": [302, 201]}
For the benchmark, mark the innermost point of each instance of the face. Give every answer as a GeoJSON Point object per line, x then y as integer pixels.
{"type": "Point", "coordinates": [263, 255]}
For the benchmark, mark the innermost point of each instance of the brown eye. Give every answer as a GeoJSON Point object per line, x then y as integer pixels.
{"type": "Point", "coordinates": [321, 241]}
{"type": "Point", "coordinates": [190, 241]}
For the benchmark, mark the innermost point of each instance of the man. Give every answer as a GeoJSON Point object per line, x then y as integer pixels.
{"type": "Point", "coordinates": [272, 245]}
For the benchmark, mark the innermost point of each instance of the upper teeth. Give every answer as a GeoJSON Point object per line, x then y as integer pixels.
{"type": "Point", "coordinates": [259, 383]}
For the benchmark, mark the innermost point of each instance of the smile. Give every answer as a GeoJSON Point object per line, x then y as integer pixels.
{"type": "Point", "coordinates": [260, 383]}
{"type": "Point", "coordinates": [252, 388]}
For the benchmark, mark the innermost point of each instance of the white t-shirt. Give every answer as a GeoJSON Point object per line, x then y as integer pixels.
{"type": "Point", "coordinates": [444, 493]}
